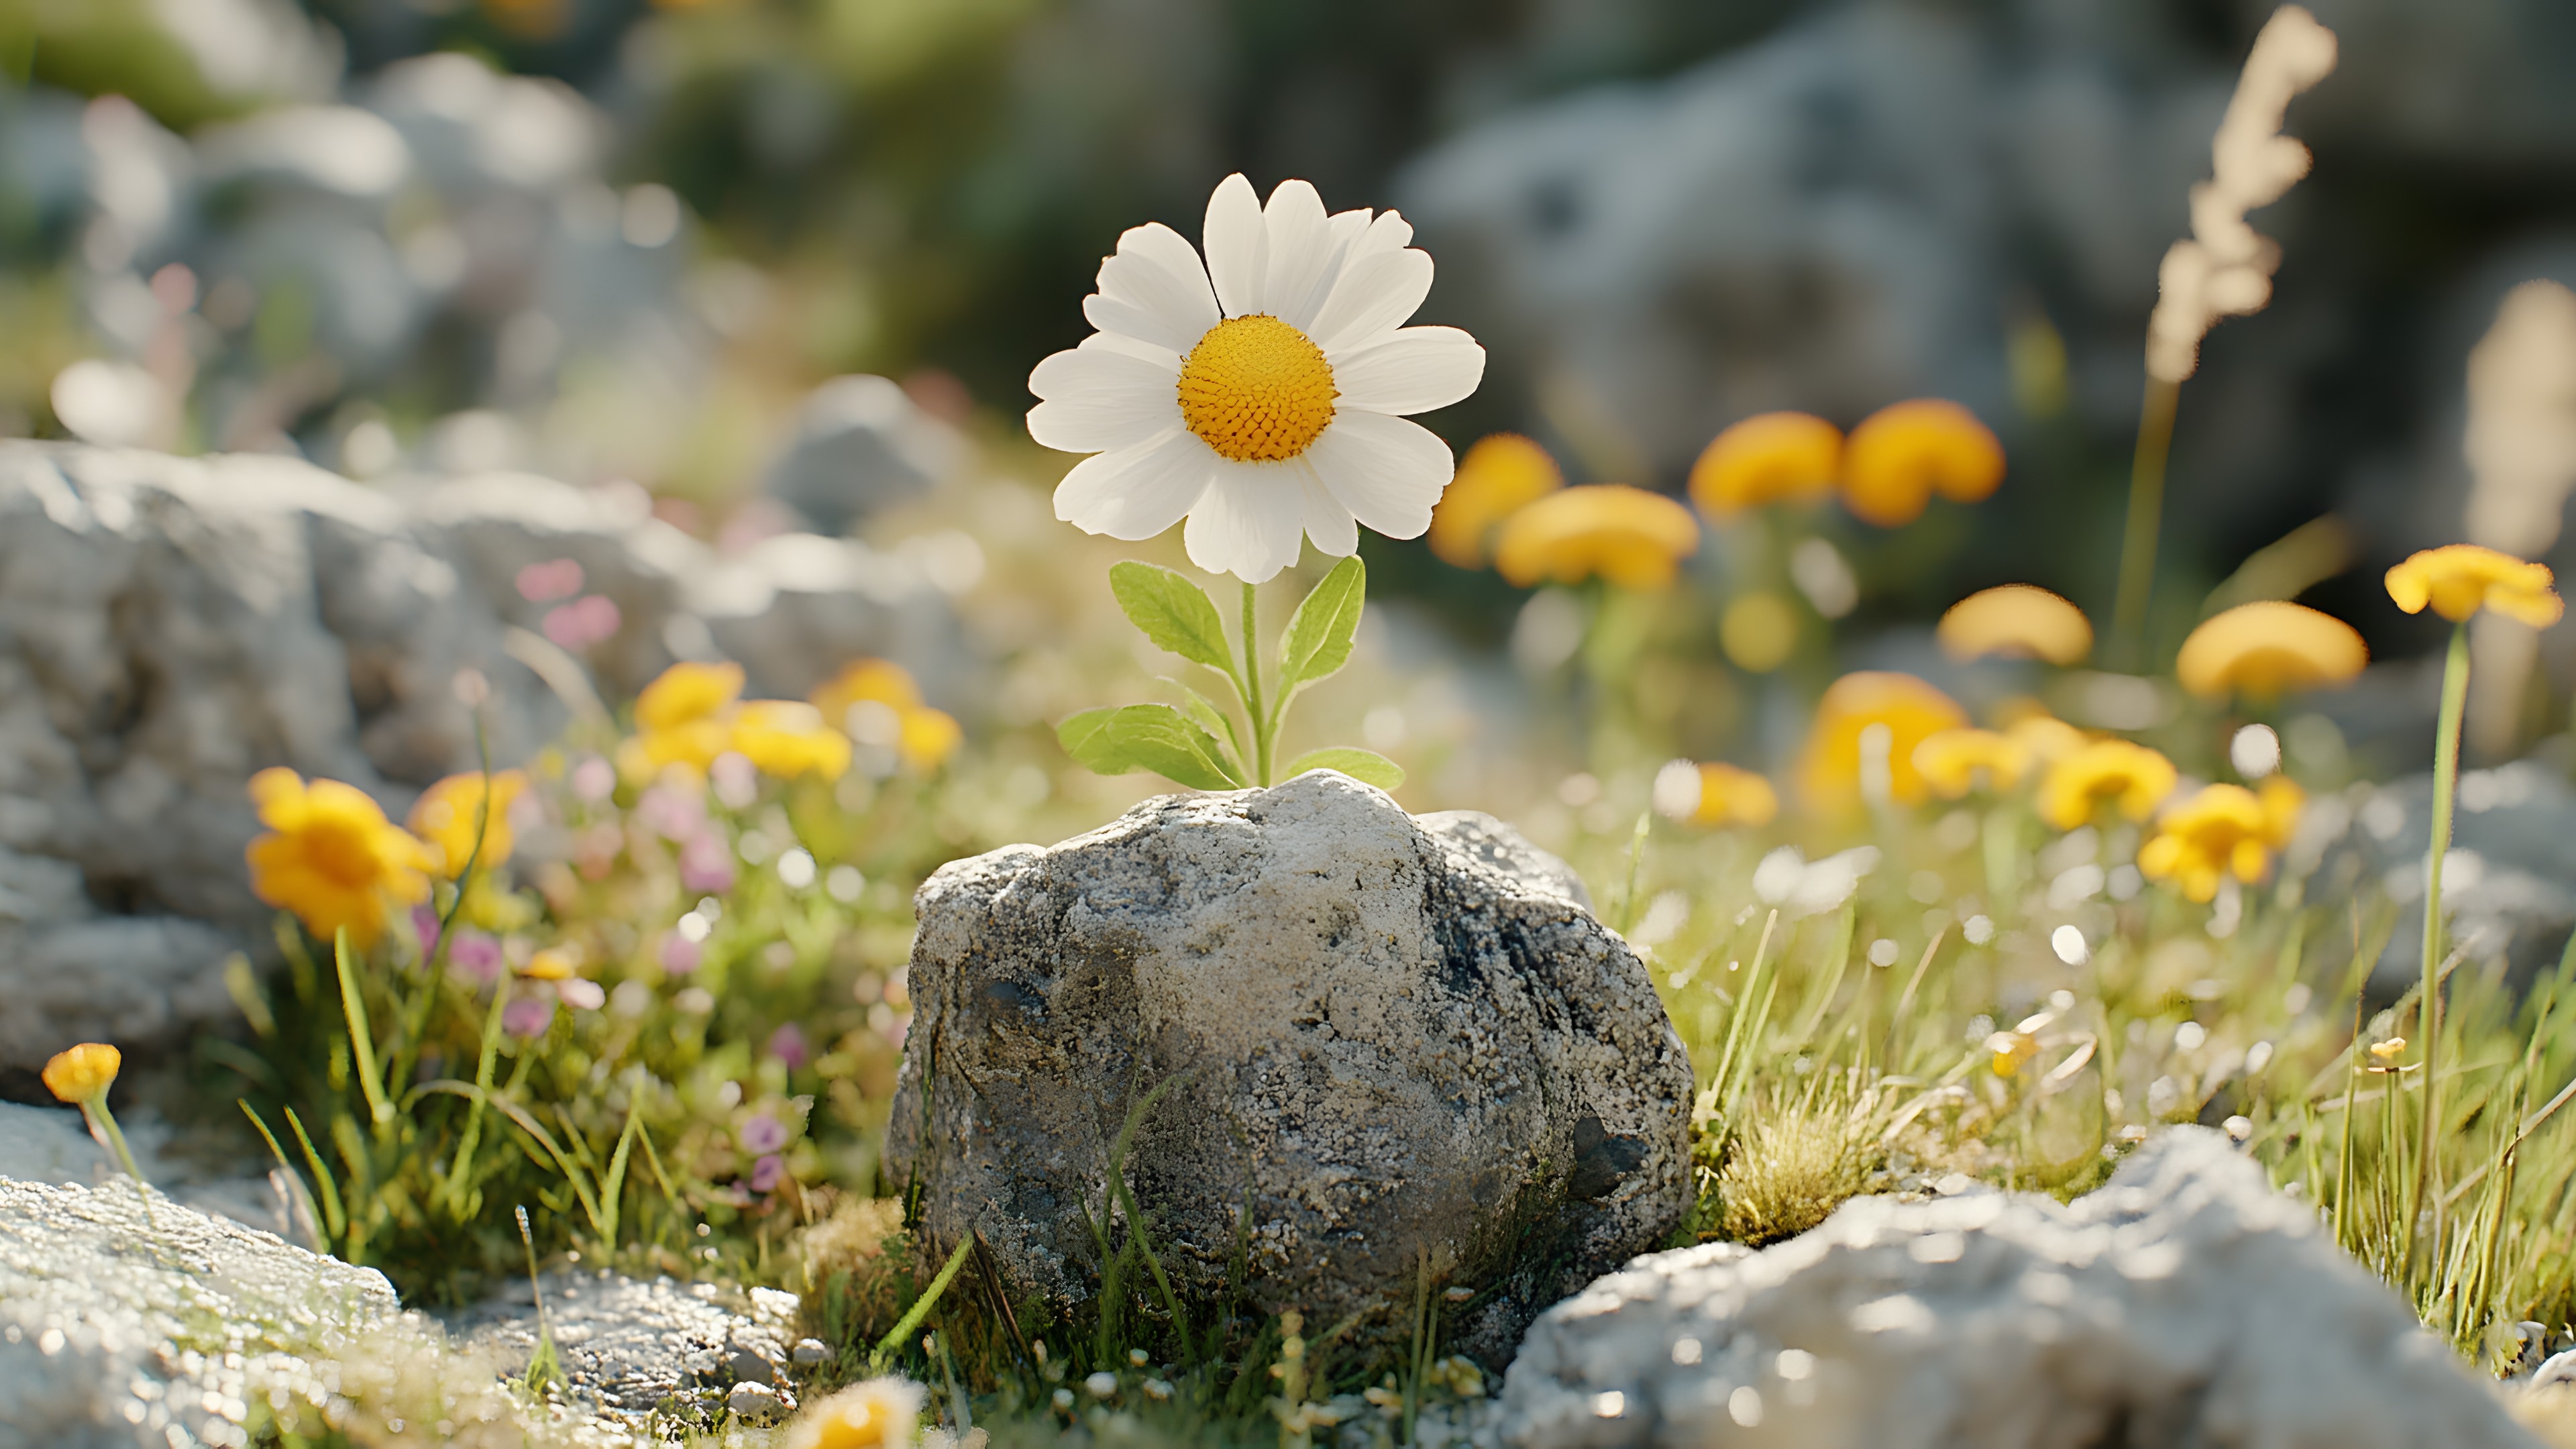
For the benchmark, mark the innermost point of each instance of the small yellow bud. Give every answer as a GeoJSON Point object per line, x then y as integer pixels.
{"type": "Point", "coordinates": [2389, 1050]}
{"type": "Point", "coordinates": [83, 1073]}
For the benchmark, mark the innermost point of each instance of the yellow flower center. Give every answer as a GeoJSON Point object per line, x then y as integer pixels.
{"type": "Point", "coordinates": [1257, 390]}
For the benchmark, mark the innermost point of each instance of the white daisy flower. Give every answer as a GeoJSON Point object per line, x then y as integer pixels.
{"type": "Point", "coordinates": [1262, 395]}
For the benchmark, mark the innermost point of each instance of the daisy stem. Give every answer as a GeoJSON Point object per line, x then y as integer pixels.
{"type": "Point", "coordinates": [2146, 520]}
{"type": "Point", "coordinates": [1252, 692]}
{"type": "Point", "coordinates": [2446, 777]}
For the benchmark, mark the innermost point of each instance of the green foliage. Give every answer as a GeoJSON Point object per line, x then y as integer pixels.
{"type": "Point", "coordinates": [1197, 744]}
{"type": "Point", "coordinates": [663, 1047]}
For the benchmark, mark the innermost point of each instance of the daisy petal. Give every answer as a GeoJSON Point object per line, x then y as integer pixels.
{"type": "Point", "coordinates": [1386, 471]}
{"type": "Point", "coordinates": [1137, 347]}
{"type": "Point", "coordinates": [1237, 244]}
{"type": "Point", "coordinates": [1373, 297]}
{"type": "Point", "coordinates": [1097, 399]}
{"type": "Point", "coordinates": [1248, 523]}
{"type": "Point", "coordinates": [1413, 371]}
{"type": "Point", "coordinates": [1389, 233]}
{"type": "Point", "coordinates": [1154, 288]}
{"type": "Point", "coordinates": [1301, 253]}
{"type": "Point", "coordinates": [1137, 491]}
{"type": "Point", "coordinates": [1329, 524]}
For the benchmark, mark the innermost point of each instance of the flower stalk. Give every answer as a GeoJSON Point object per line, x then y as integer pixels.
{"type": "Point", "coordinates": [2446, 779]}
{"type": "Point", "coordinates": [81, 1076]}
{"type": "Point", "coordinates": [2146, 518]}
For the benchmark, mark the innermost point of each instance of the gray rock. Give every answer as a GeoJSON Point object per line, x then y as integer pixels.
{"type": "Point", "coordinates": [860, 446]}
{"type": "Point", "coordinates": [169, 626]}
{"type": "Point", "coordinates": [2505, 883]}
{"type": "Point", "coordinates": [120, 1329]}
{"type": "Point", "coordinates": [2558, 1369]}
{"type": "Point", "coordinates": [756, 1404]}
{"type": "Point", "coordinates": [53, 1145]}
{"type": "Point", "coordinates": [1380, 1046]}
{"type": "Point", "coordinates": [629, 1347]}
{"type": "Point", "coordinates": [2185, 1303]}
{"type": "Point", "coordinates": [810, 1351]}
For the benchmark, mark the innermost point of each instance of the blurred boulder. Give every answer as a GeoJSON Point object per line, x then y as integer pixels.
{"type": "Point", "coordinates": [860, 446]}
{"type": "Point", "coordinates": [2185, 1303]}
{"type": "Point", "coordinates": [1888, 199]}
{"type": "Point", "coordinates": [2508, 883]}
{"type": "Point", "coordinates": [169, 626]}
{"type": "Point", "coordinates": [1384, 1046]}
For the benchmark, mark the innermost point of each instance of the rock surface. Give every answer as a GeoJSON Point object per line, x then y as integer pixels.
{"type": "Point", "coordinates": [629, 1348]}
{"type": "Point", "coordinates": [117, 1329]}
{"type": "Point", "coordinates": [1383, 1040]}
{"type": "Point", "coordinates": [2185, 1303]}
{"type": "Point", "coordinates": [170, 625]}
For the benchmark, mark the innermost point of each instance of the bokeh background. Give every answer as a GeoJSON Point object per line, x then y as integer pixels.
{"type": "Point", "coordinates": [629, 244]}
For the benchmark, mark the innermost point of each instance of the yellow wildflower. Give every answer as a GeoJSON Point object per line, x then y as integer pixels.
{"type": "Point", "coordinates": [2267, 648]}
{"type": "Point", "coordinates": [878, 703]}
{"type": "Point", "coordinates": [881, 681]}
{"type": "Point", "coordinates": [2047, 737]}
{"type": "Point", "coordinates": [787, 738]}
{"type": "Point", "coordinates": [2010, 1051]}
{"type": "Point", "coordinates": [1904, 453]}
{"type": "Point", "coordinates": [2136, 777]}
{"type": "Point", "coordinates": [554, 963]}
{"type": "Point", "coordinates": [332, 857]}
{"type": "Point", "coordinates": [1758, 631]}
{"type": "Point", "coordinates": [2016, 620]}
{"type": "Point", "coordinates": [1715, 794]}
{"type": "Point", "coordinates": [1853, 712]}
{"type": "Point", "coordinates": [1771, 458]}
{"type": "Point", "coordinates": [1951, 760]}
{"type": "Point", "coordinates": [83, 1073]}
{"type": "Point", "coordinates": [680, 717]}
{"type": "Point", "coordinates": [2217, 832]}
{"type": "Point", "coordinates": [929, 737]}
{"type": "Point", "coordinates": [2282, 801]}
{"type": "Point", "coordinates": [2459, 579]}
{"type": "Point", "coordinates": [1501, 475]}
{"type": "Point", "coordinates": [1633, 538]}
{"type": "Point", "coordinates": [872, 1414]}
{"type": "Point", "coordinates": [444, 817]}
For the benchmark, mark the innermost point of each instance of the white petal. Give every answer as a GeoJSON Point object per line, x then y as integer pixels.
{"type": "Point", "coordinates": [1386, 471]}
{"type": "Point", "coordinates": [1249, 522]}
{"type": "Point", "coordinates": [1099, 422]}
{"type": "Point", "coordinates": [1301, 254]}
{"type": "Point", "coordinates": [1237, 245]}
{"type": "Point", "coordinates": [1154, 288]}
{"type": "Point", "coordinates": [1097, 385]}
{"type": "Point", "coordinates": [1136, 492]}
{"type": "Point", "coordinates": [1328, 523]}
{"type": "Point", "coordinates": [1414, 370]}
{"type": "Point", "coordinates": [1136, 347]}
{"type": "Point", "coordinates": [1390, 232]}
{"type": "Point", "coordinates": [1373, 297]}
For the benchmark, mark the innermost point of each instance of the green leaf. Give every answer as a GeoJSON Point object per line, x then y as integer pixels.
{"type": "Point", "coordinates": [1086, 738]}
{"type": "Point", "coordinates": [1212, 719]}
{"type": "Point", "coordinates": [1318, 641]}
{"type": "Point", "coordinates": [1152, 737]}
{"type": "Point", "coordinates": [1170, 744]}
{"type": "Point", "coordinates": [1366, 766]}
{"type": "Point", "coordinates": [1175, 613]}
